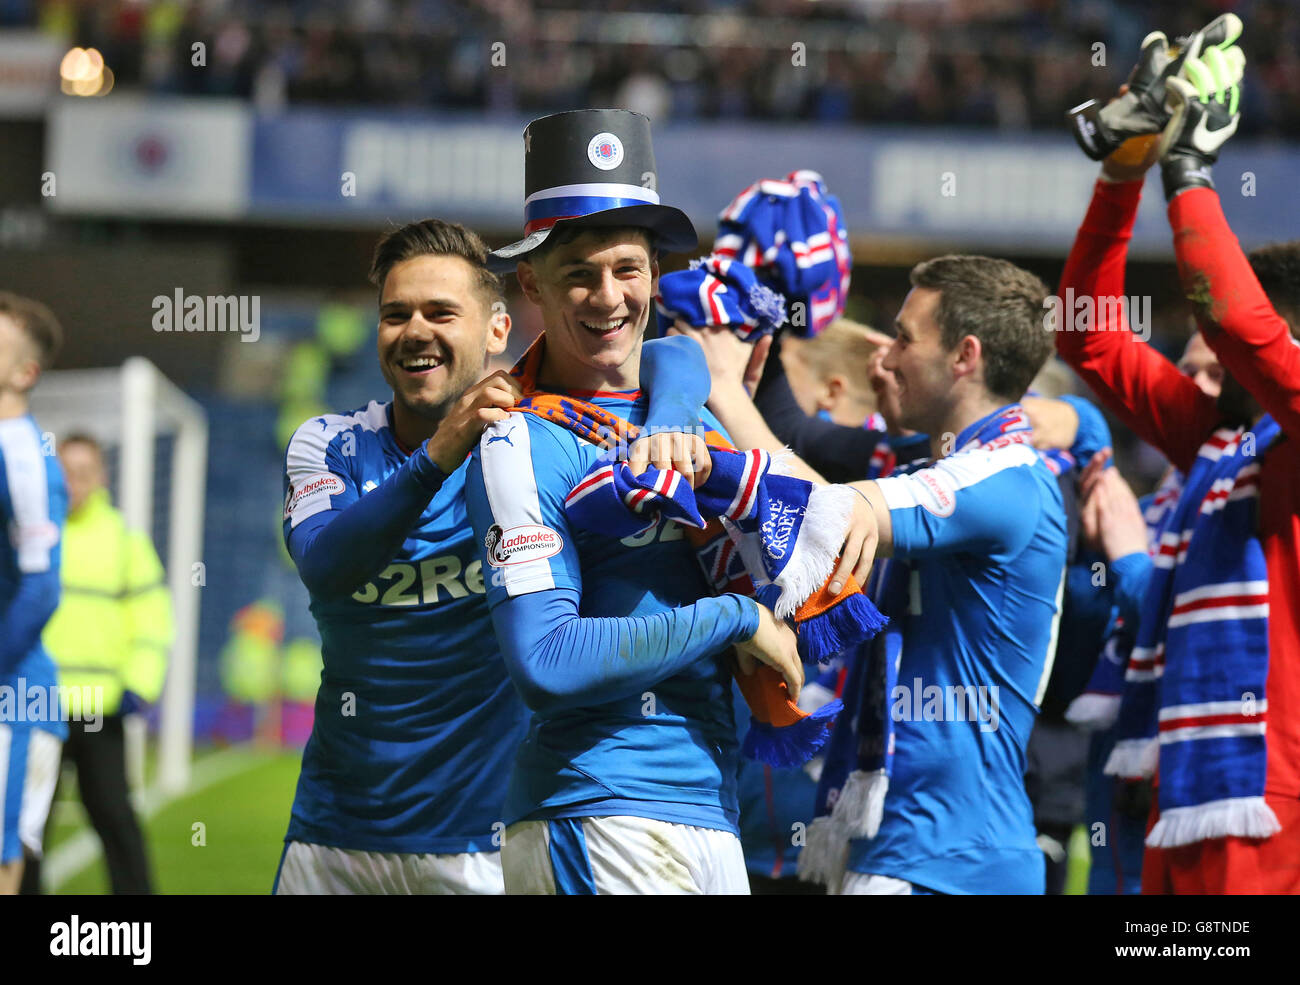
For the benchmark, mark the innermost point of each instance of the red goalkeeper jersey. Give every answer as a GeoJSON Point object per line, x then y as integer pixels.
{"type": "Point", "coordinates": [1169, 411]}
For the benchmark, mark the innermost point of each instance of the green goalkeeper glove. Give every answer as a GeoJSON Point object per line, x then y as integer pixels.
{"type": "Point", "coordinates": [1141, 110]}
{"type": "Point", "coordinates": [1203, 102]}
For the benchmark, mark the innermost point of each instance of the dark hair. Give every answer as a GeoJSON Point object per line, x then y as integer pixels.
{"type": "Point", "coordinates": [38, 324]}
{"type": "Point", "coordinates": [1277, 267]}
{"type": "Point", "coordinates": [567, 233]}
{"type": "Point", "coordinates": [434, 237]}
{"type": "Point", "coordinates": [998, 303]}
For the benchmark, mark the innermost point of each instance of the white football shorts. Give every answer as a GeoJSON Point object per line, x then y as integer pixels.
{"type": "Point", "coordinates": [319, 870]}
{"type": "Point", "coordinates": [860, 884]}
{"type": "Point", "coordinates": [606, 856]}
{"type": "Point", "coordinates": [29, 771]}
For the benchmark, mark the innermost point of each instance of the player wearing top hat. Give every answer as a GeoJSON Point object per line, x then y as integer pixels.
{"type": "Point", "coordinates": [626, 780]}
{"type": "Point", "coordinates": [592, 169]}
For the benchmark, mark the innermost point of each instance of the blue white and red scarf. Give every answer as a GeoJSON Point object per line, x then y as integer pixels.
{"type": "Point", "coordinates": [1202, 643]}
{"type": "Point", "coordinates": [787, 532]}
{"type": "Point", "coordinates": [1096, 708]}
{"type": "Point", "coordinates": [774, 537]}
{"type": "Point", "coordinates": [860, 755]}
{"type": "Point", "coordinates": [791, 232]}
{"type": "Point", "coordinates": [718, 291]}
{"type": "Point", "coordinates": [755, 532]}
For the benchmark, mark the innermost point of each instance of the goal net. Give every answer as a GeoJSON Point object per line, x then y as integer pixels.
{"type": "Point", "coordinates": [155, 440]}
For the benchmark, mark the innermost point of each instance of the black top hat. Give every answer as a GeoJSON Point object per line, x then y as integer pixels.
{"type": "Point", "coordinates": [595, 167]}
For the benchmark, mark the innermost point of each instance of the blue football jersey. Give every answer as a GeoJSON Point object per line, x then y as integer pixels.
{"type": "Point", "coordinates": [669, 753]}
{"type": "Point", "coordinates": [33, 506]}
{"type": "Point", "coordinates": [983, 531]}
{"type": "Point", "coordinates": [416, 720]}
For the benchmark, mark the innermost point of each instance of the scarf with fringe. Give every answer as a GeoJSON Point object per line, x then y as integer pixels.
{"type": "Point", "coordinates": [717, 291]}
{"type": "Point", "coordinates": [1202, 640]}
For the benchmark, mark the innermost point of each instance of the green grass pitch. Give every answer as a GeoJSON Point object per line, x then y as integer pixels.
{"type": "Point", "coordinates": [242, 805]}
{"type": "Point", "coordinates": [224, 837]}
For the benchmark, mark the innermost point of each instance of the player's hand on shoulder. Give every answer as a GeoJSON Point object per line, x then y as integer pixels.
{"type": "Point", "coordinates": [683, 451]}
{"type": "Point", "coordinates": [486, 402]}
{"type": "Point", "coordinates": [773, 643]}
{"type": "Point", "coordinates": [1055, 422]}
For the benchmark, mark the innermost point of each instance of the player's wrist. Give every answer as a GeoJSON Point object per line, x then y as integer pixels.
{"type": "Point", "coordinates": [1180, 172]}
{"type": "Point", "coordinates": [751, 619]}
{"type": "Point", "coordinates": [1129, 561]}
{"type": "Point", "coordinates": [429, 465]}
{"type": "Point", "coordinates": [1115, 173]}
{"type": "Point", "coordinates": [671, 414]}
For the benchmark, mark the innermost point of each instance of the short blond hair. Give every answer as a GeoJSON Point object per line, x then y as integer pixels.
{"type": "Point", "coordinates": [843, 347]}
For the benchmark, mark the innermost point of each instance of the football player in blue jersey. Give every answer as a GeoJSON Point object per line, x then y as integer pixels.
{"type": "Point", "coordinates": [978, 543]}
{"type": "Point", "coordinates": [416, 720]}
{"type": "Point", "coordinates": [33, 505]}
{"type": "Point", "coordinates": [625, 782]}
{"type": "Point", "coordinates": [981, 539]}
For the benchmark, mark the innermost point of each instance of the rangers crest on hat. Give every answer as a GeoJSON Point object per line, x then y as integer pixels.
{"type": "Point", "coordinates": [605, 151]}
{"type": "Point", "coordinates": [595, 167]}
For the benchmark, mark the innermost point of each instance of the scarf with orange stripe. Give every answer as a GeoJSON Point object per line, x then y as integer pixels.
{"type": "Point", "coordinates": [773, 537]}
{"type": "Point", "coordinates": [1202, 641]}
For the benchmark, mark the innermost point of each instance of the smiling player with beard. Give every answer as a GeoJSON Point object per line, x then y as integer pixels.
{"type": "Point", "coordinates": [416, 721]}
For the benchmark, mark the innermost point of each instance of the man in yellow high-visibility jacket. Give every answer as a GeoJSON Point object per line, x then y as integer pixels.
{"type": "Point", "coordinates": [112, 630]}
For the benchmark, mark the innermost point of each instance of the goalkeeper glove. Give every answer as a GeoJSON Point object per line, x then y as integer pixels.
{"type": "Point", "coordinates": [1204, 112]}
{"type": "Point", "coordinates": [1100, 130]}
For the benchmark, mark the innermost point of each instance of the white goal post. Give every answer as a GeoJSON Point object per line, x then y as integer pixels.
{"type": "Point", "coordinates": [129, 409]}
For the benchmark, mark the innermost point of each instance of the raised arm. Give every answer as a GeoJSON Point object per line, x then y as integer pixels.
{"type": "Point", "coordinates": [840, 453]}
{"type": "Point", "coordinates": [1251, 339]}
{"type": "Point", "coordinates": [1138, 384]}
{"type": "Point", "coordinates": [339, 547]}
{"type": "Point", "coordinates": [340, 539]}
